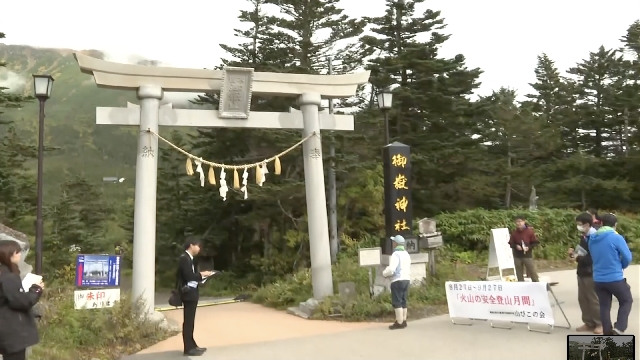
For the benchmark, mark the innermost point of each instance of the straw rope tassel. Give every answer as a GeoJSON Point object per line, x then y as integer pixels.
{"type": "Point", "coordinates": [211, 175]}
{"type": "Point", "coordinates": [236, 179]}
{"type": "Point", "coordinates": [189, 167]}
{"type": "Point", "coordinates": [277, 166]}
{"type": "Point", "coordinates": [258, 174]}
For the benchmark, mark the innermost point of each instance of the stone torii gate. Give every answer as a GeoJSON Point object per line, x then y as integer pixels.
{"type": "Point", "coordinates": [591, 348]}
{"type": "Point", "coordinates": [236, 86]}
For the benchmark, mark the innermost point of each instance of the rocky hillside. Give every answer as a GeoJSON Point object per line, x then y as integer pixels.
{"type": "Point", "coordinates": [80, 145]}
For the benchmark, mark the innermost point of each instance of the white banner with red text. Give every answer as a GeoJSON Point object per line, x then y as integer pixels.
{"type": "Point", "coordinates": [523, 302]}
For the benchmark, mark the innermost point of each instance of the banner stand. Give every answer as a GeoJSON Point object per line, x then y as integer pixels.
{"type": "Point", "coordinates": [453, 321]}
{"type": "Point", "coordinates": [500, 254]}
{"type": "Point", "coordinates": [505, 327]}
{"type": "Point", "coordinates": [509, 325]}
{"type": "Point", "coordinates": [550, 327]}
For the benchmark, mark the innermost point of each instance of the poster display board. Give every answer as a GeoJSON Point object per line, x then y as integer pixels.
{"type": "Point", "coordinates": [98, 270]}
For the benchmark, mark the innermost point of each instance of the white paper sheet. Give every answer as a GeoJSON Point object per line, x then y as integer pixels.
{"type": "Point", "coordinates": [30, 279]}
{"type": "Point", "coordinates": [206, 278]}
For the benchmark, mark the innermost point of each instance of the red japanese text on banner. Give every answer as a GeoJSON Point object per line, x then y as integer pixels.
{"type": "Point", "coordinates": [523, 302]}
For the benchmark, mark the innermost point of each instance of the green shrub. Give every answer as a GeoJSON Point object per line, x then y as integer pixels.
{"type": "Point", "coordinates": [466, 235]}
{"type": "Point", "coordinates": [555, 228]}
{"type": "Point", "coordinates": [425, 299]}
{"type": "Point", "coordinates": [297, 288]}
{"type": "Point", "coordinates": [105, 334]}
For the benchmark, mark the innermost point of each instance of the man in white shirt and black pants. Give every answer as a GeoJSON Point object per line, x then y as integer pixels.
{"type": "Point", "coordinates": [399, 270]}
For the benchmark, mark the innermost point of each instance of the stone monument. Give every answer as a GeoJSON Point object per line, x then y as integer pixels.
{"type": "Point", "coordinates": [398, 213]}
{"type": "Point", "coordinates": [236, 85]}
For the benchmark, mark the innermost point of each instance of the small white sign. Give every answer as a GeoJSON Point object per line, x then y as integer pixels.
{"type": "Point", "coordinates": [95, 299]}
{"type": "Point", "coordinates": [369, 256]}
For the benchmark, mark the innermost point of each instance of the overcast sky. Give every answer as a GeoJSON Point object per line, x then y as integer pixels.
{"type": "Point", "coordinates": [503, 37]}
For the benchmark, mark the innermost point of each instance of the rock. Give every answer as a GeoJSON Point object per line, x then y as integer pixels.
{"type": "Point", "coordinates": [159, 318]}
{"type": "Point", "coordinates": [297, 312]}
{"type": "Point", "coordinates": [308, 307]}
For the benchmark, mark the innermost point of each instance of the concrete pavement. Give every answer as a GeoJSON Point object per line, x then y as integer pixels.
{"type": "Point", "coordinates": [249, 332]}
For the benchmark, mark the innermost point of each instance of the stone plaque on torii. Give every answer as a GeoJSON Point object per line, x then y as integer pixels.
{"type": "Point", "coordinates": [236, 85]}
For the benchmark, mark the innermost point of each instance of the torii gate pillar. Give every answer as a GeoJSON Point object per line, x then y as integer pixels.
{"type": "Point", "coordinates": [144, 223]}
{"type": "Point", "coordinates": [321, 274]}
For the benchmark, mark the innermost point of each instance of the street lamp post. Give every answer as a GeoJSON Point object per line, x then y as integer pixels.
{"type": "Point", "coordinates": [385, 99]}
{"type": "Point", "coordinates": [42, 86]}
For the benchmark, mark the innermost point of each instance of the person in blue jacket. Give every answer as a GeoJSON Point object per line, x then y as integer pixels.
{"type": "Point", "coordinates": [611, 255]}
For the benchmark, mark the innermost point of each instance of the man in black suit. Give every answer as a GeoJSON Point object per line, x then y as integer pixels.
{"type": "Point", "coordinates": [188, 281]}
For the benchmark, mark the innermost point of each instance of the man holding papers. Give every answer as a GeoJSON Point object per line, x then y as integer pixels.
{"type": "Point", "coordinates": [522, 241]}
{"type": "Point", "coordinates": [189, 279]}
{"type": "Point", "coordinates": [587, 298]}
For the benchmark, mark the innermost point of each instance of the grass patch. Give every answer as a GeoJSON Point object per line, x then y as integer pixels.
{"type": "Point", "coordinates": [105, 334]}
{"type": "Point", "coordinates": [426, 299]}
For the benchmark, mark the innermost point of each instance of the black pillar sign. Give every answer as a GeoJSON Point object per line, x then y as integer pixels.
{"type": "Point", "coordinates": [397, 192]}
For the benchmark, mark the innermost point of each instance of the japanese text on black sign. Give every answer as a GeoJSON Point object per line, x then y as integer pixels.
{"type": "Point", "coordinates": [398, 214]}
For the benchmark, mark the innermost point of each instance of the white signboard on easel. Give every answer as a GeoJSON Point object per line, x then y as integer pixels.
{"type": "Point", "coordinates": [500, 253]}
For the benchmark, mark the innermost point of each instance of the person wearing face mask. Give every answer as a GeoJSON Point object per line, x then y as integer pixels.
{"type": "Point", "coordinates": [587, 298]}
{"type": "Point", "coordinates": [18, 329]}
{"type": "Point", "coordinates": [522, 241]}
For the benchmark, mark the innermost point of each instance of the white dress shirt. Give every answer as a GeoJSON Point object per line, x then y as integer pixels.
{"type": "Point", "coordinates": [192, 284]}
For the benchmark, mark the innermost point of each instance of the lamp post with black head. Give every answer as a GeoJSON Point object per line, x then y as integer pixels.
{"type": "Point", "coordinates": [385, 99]}
{"type": "Point", "coordinates": [42, 86]}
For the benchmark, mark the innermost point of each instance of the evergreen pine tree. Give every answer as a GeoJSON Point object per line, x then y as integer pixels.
{"type": "Point", "coordinates": [432, 112]}
{"type": "Point", "coordinates": [301, 25]}
{"type": "Point", "coordinates": [599, 83]}
{"type": "Point", "coordinates": [553, 104]}
{"type": "Point", "coordinates": [79, 220]}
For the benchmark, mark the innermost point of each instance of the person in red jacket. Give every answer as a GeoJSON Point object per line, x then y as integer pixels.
{"type": "Point", "coordinates": [522, 241]}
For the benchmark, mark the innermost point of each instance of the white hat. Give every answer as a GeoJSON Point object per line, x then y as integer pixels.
{"type": "Point", "coordinates": [398, 239]}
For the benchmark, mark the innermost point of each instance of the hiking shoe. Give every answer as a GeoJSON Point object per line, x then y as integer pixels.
{"type": "Point", "coordinates": [404, 324]}
{"type": "Point", "coordinates": [396, 326]}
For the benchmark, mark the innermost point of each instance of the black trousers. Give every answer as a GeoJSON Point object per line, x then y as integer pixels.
{"type": "Point", "coordinates": [622, 291]}
{"type": "Point", "coordinates": [20, 355]}
{"type": "Point", "coordinates": [188, 324]}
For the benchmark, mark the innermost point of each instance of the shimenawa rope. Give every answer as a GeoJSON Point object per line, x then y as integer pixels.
{"type": "Point", "coordinates": [260, 166]}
